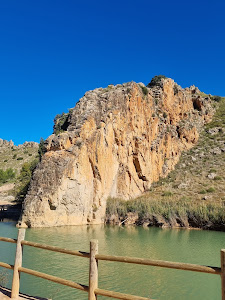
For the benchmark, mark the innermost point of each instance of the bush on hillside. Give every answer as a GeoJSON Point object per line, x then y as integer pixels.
{"type": "Point", "coordinates": [41, 149]}
{"type": "Point", "coordinates": [217, 98]}
{"type": "Point", "coordinates": [24, 179]}
{"type": "Point", "coordinates": [60, 122]}
{"type": "Point", "coordinates": [144, 90]}
{"type": "Point", "coordinates": [6, 175]}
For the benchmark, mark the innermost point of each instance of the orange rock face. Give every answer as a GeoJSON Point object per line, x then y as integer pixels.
{"type": "Point", "coordinates": [117, 141]}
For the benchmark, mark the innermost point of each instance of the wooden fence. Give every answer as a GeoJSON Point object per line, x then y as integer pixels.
{"type": "Point", "coordinates": [93, 290]}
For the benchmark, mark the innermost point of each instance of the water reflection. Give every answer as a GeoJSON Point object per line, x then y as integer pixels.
{"type": "Point", "coordinates": [202, 247]}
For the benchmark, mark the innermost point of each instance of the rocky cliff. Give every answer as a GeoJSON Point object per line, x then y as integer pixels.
{"type": "Point", "coordinates": [115, 143]}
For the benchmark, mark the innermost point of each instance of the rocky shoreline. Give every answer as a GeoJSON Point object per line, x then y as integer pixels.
{"type": "Point", "coordinates": [185, 222]}
{"type": "Point", "coordinates": [12, 212]}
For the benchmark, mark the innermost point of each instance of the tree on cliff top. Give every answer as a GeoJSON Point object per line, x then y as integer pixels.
{"type": "Point", "coordinates": [156, 80]}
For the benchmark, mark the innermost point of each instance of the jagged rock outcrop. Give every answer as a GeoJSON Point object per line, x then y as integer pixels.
{"type": "Point", "coordinates": [8, 144]}
{"type": "Point", "coordinates": [5, 143]}
{"type": "Point", "coordinates": [115, 143]}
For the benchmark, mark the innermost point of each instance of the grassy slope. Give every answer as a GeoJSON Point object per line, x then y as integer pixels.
{"type": "Point", "coordinates": [187, 196]}
{"type": "Point", "coordinates": [9, 159]}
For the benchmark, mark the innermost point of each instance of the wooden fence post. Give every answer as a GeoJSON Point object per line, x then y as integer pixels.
{"type": "Point", "coordinates": [223, 273]}
{"type": "Point", "coordinates": [93, 270]}
{"type": "Point", "coordinates": [18, 263]}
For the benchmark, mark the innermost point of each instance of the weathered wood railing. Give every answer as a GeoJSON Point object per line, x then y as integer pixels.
{"type": "Point", "coordinates": [93, 256]}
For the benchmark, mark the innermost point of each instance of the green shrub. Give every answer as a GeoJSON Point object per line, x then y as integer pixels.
{"type": "Point", "coordinates": [156, 81]}
{"type": "Point", "coordinates": [219, 116]}
{"type": "Point", "coordinates": [144, 90]}
{"type": "Point", "coordinates": [10, 173]}
{"type": "Point", "coordinates": [24, 179]}
{"type": "Point", "coordinates": [210, 190]}
{"type": "Point", "coordinates": [202, 192]}
{"type": "Point", "coordinates": [167, 194]}
{"type": "Point", "coordinates": [60, 122]}
{"type": "Point", "coordinates": [14, 156]}
{"type": "Point", "coordinates": [27, 170]}
{"type": "Point", "coordinates": [6, 175]}
{"type": "Point", "coordinates": [217, 98]}
{"type": "Point", "coordinates": [164, 114]}
{"type": "Point", "coordinates": [19, 158]}
{"type": "Point", "coordinates": [41, 149]}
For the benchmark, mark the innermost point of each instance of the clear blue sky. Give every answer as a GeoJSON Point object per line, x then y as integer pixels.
{"type": "Point", "coordinates": [52, 51]}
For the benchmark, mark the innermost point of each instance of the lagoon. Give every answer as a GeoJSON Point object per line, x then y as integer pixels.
{"type": "Point", "coordinates": [181, 245]}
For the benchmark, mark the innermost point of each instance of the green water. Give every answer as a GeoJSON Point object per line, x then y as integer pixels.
{"type": "Point", "coordinates": [192, 246]}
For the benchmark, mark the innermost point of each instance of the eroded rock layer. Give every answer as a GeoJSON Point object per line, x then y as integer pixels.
{"type": "Point", "coordinates": [115, 143]}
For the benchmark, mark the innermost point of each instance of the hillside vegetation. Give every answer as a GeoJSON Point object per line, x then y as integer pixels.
{"type": "Point", "coordinates": [191, 195]}
{"type": "Point", "coordinates": [16, 166]}
{"type": "Point", "coordinates": [14, 157]}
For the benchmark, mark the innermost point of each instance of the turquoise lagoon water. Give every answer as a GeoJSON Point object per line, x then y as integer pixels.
{"type": "Point", "coordinates": [191, 246]}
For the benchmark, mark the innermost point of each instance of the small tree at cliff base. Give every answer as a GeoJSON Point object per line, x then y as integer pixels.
{"type": "Point", "coordinates": [24, 180]}
{"type": "Point", "coordinates": [41, 149]}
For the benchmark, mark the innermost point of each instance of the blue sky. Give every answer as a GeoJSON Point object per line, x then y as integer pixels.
{"type": "Point", "coordinates": [52, 52]}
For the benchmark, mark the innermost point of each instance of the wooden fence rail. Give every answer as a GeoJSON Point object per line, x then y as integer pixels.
{"type": "Point", "coordinates": [17, 265]}
{"type": "Point", "coordinates": [93, 290]}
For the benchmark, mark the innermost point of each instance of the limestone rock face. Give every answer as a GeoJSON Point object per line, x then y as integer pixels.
{"type": "Point", "coordinates": [115, 143]}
